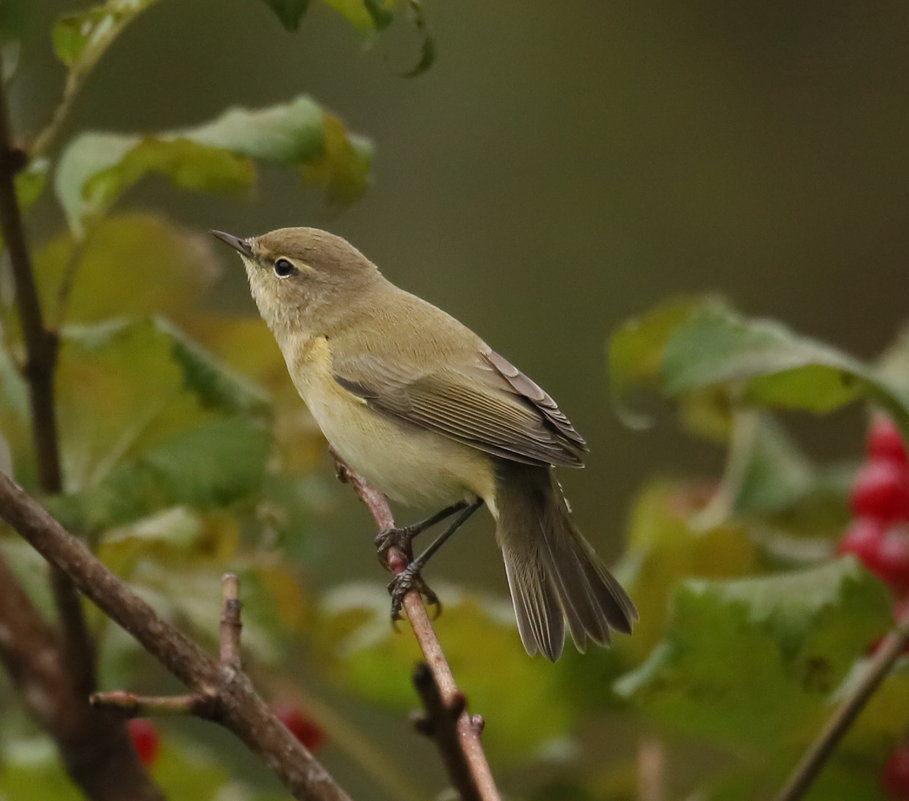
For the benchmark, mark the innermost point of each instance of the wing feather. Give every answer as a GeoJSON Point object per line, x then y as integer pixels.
{"type": "Point", "coordinates": [485, 402]}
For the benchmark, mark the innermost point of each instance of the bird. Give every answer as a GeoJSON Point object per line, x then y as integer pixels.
{"type": "Point", "coordinates": [429, 414]}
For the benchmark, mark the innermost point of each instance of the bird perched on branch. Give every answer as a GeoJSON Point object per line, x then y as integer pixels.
{"type": "Point", "coordinates": [428, 413]}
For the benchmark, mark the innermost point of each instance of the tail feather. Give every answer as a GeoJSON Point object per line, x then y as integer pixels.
{"type": "Point", "coordinates": [553, 573]}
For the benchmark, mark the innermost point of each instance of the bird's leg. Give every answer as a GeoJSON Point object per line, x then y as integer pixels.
{"type": "Point", "coordinates": [410, 577]}
{"type": "Point", "coordinates": [402, 536]}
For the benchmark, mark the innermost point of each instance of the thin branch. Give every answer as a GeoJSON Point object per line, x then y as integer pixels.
{"type": "Point", "coordinates": [40, 344]}
{"type": "Point", "coordinates": [889, 651]}
{"type": "Point", "coordinates": [199, 704]}
{"type": "Point", "coordinates": [90, 746]}
{"type": "Point", "coordinates": [131, 705]}
{"type": "Point", "coordinates": [468, 768]}
{"type": "Point", "coordinates": [239, 708]}
{"type": "Point", "coordinates": [231, 625]}
{"type": "Point", "coordinates": [441, 723]}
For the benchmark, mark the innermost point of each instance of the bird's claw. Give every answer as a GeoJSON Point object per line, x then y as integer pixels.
{"type": "Point", "coordinates": [398, 537]}
{"type": "Point", "coordinates": [405, 581]}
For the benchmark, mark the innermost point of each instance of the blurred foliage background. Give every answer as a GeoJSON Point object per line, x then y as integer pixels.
{"type": "Point", "coordinates": [559, 168]}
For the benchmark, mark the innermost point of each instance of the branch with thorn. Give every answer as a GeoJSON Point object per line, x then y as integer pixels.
{"type": "Point", "coordinates": [446, 719]}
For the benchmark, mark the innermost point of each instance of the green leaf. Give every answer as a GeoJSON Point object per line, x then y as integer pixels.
{"type": "Point", "coordinates": [29, 184]}
{"type": "Point", "coordinates": [290, 12]}
{"type": "Point", "coordinates": [705, 354]}
{"type": "Point", "coordinates": [775, 475]}
{"type": "Point", "coordinates": [753, 662]}
{"type": "Point", "coordinates": [883, 721]}
{"type": "Point", "coordinates": [766, 474]}
{"type": "Point", "coordinates": [428, 44]}
{"type": "Point", "coordinates": [894, 362]}
{"type": "Point", "coordinates": [207, 466]}
{"type": "Point", "coordinates": [97, 279]}
{"type": "Point", "coordinates": [764, 362]}
{"type": "Point", "coordinates": [155, 384]}
{"type": "Point", "coordinates": [666, 547]}
{"type": "Point", "coordinates": [79, 39]}
{"type": "Point", "coordinates": [637, 348]}
{"type": "Point", "coordinates": [367, 16]}
{"type": "Point", "coordinates": [96, 168]}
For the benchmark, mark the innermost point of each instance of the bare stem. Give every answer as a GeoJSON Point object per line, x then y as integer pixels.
{"type": "Point", "coordinates": [231, 625]}
{"type": "Point", "coordinates": [456, 732]}
{"type": "Point", "coordinates": [130, 705]}
{"type": "Point", "coordinates": [889, 651]}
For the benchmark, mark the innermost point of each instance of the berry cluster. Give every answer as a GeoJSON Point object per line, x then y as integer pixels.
{"type": "Point", "coordinates": [879, 533]}
{"type": "Point", "coordinates": [879, 536]}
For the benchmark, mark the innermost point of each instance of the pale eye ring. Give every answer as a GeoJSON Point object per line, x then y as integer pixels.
{"type": "Point", "coordinates": [284, 268]}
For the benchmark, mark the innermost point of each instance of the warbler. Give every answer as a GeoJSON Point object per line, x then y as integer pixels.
{"type": "Point", "coordinates": [426, 412]}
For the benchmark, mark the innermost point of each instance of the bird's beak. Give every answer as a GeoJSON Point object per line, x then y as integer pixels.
{"type": "Point", "coordinates": [242, 245]}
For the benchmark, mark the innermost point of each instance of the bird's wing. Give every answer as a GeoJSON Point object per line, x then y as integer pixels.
{"type": "Point", "coordinates": [484, 402]}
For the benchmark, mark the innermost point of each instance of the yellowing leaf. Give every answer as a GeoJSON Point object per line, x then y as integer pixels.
{"type": "Point", "coordinates": [132, 264]}
{"type": "Point", "coordinates": [216, 156]}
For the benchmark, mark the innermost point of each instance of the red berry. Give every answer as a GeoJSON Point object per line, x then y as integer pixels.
{"type": "Point", "coordinates": [896, 773]}
{"type": "Point", "coordinates": [881, 490]}
{"type": "Point", "coordinates": [893, 558]}
{"type": "Point", "coordinates": [863, 538]}
{"type": "Point", "coordinates": [885, 442]}
{"type": "Point", "coordinates": [146, 740]}
{"type": "Point", "coordinates": [302, 727]}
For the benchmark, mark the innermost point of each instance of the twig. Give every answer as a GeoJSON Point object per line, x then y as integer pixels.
{"type": "Point", "coordinates": [441, 724]}
{"type": "Point", "coordinates": [890, 649]}
{"type": "Point", "coordinates": [130, 705]}
{"type": "Point", "coordinates": [198, 704]}
{"type": "Point", "coordinates": [468, 768]}
{"type": "Point", "coordinates": [40, 344]}
{"type": "Point", "coordinates": [231, 626]}
{"type": "Point", "coordinates": [238, 707]}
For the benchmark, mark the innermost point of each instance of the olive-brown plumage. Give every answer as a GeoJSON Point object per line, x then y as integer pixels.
{"type": "Point", "coordinates": [427, 412]}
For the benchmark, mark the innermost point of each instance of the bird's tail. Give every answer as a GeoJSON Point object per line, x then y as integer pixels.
{"type": "Point", "coordinates": [553, 573]}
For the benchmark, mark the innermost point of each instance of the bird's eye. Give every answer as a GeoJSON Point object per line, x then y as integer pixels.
{"type": "Point", "coordinates": [283, 268]}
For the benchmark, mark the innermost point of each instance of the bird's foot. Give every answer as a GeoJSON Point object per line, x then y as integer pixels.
{"type": "Point", "coordinates": [405, 581]}
{"type": "Point", "coordinates": [400, 537]}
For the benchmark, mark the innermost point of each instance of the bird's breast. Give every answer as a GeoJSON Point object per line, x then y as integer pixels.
{"type": "Point", "coordinates": [412, 465]}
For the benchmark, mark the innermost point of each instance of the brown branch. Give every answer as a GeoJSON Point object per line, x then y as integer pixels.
{"type": "Point", "coordinates": [231, 625]}
{"type": "Point", "coordinates": [456, 733]}
{"type": "Point", "coordinates": [94, 749]}
{"type": "Point", "coordinates": [238, 707]}
{"type": "Point", "coordinates": [131, 705]}
{"type": "Point", "coordinates": [199, 704]}
{"type": "Point", "coordinates": [889, 651]}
